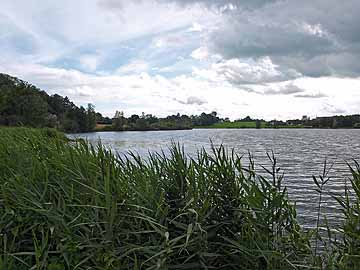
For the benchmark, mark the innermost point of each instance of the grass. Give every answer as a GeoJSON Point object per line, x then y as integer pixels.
{"type": "Point", "coordinates": [103, 127]}
{"type": "Point", "coordinates": [70, 205]}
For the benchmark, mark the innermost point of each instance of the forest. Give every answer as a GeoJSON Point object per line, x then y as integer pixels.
{"type": "Point", "coordinates": [22, 104]}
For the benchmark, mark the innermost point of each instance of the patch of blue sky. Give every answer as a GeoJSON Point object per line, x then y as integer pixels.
{"type": "Point", "coordinates": [169, 59]}
{"type": "Point", "coordinates": [109, 56]}
{"type": "Point", "coordinates": [181, 67]}
{"type": "Point", "coordinates": [107, 59]}
{"type": "Point", "coordinates": [14, 40]}
{"type": "Point", "coordinates": [19, 44]}
{"type": "Point", "coordinates": [173, 57]}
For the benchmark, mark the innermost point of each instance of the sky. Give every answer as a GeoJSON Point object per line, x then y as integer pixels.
{"type": "Point", "coordinates": [270, 59]}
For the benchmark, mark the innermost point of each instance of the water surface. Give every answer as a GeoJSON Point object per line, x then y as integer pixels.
{"type": "Point", "coordinates": [300, 153]}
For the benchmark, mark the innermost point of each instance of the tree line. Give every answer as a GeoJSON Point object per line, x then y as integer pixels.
{"type": "Point", "coordinates": [22, 104]}
{"type": "Point", "coordinates": [337, 121]}
{"type": "Point", "coordinates": [150, 122]}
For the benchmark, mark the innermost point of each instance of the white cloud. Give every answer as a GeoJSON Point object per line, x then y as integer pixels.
{"type": "Point", "coordinates": [196, 27]}
{"type": "Point", "coordinates": [59, 29]}
{"type": "Point", "coordinates": [200, 53]}
{"type": "Point", "coordinates": [316, 29]}
{"type": "Point", "coordinates": [311, 95]}
{"type": "Point", "coordinates": [160, 96]}
{"type": "Point", "coordinates": [283, 89]}
{"type": "Point", "coordinates": [89, 62]}
{"type": "Point", "coordinates": [247, 71]}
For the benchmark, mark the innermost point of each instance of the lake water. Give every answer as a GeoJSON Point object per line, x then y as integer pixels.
{"type": "Point", "coordinates": [300, 154]}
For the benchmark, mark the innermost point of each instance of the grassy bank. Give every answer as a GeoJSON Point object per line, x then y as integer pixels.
{"type": "Point", "coordinates": [68, 205]}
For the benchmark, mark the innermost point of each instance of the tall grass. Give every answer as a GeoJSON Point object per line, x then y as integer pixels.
{"type": "Point", "coordinates": [70, 205]}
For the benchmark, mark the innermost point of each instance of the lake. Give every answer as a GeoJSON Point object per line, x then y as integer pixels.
{"type": "Point", "coordinates": [300, 153]}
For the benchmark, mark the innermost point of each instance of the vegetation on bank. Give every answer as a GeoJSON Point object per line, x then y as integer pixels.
{"type": "Point", "coordinates": [69, 205]}
{"type": "Point", "coordinates": [22, 104]}
{"type": "Point", "coordinates": [250, 124]}
{"type": "Point", "coordinates": [146, 122]}
{"type": "Point", "coordinates": [239, 125]}
{"type": "Point", "coordinates": [151, 122]}
{"type": "Point", "coordinates": [340, 121]}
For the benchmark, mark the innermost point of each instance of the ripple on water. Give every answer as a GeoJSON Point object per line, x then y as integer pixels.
{"type": "Point", "coordinates": [300, 153]}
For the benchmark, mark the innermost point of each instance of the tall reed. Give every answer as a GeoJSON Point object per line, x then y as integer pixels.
{"type": "Point", "coordinates": [70, 205]}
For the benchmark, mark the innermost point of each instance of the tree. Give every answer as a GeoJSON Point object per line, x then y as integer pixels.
{"type": "Point", "coordinates": [141, 124]}
{"type": "Point", "coordinates": [32, 111]}
{"type": "Point", "coordinates": [91, 117]}
{"type": "Point", "coordinates": [205, 119]}
{"type": "Point", "coordinates": [119, 123]}
{"type": "Point", "coordinates": [23, 104]}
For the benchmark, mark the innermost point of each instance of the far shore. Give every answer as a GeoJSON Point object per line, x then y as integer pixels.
{"type": "Point", "coordinates": [239, 125]}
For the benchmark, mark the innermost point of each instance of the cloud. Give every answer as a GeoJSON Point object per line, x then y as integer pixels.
{"type": "Point", "coordinates": [312, 37]}
{"type": "Point", "coordinates": [332, 109]}
{"type": "Point", "coordinates": [221, 4]}
{"type": "Point", "coordinates": [318, 95]}
{"type": "Point", "coordinates": [162, 96]}
{"type": "Point", "coordinates": [261, 71]}
{"type": "Point", "coordinates": [247, 71]}
{"type": "Point", "coordinates": [196, 100]}
{"type": "Point", "coordinates": [200, 53]}
{"type": "Point", "coordinates": [287, 89]}
{"type": "Point", "coordinates": [89, 62]}
{"type": "Point", "coordinates": [225, 4]}
{"type": "Point", "coordinates": [192, 100]}
{"type": "Point", "coordinates": [189, 56]}
{"type": "Point", "coordinates": [312, 42]}
{"type": "Point", "coordinates": [196, 27]}
{"type": "Point", "coordinates": [42, 32]}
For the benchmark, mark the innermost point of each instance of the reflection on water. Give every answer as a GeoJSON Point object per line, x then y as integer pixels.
{"type": "Point", "coordinates": [300, 153]}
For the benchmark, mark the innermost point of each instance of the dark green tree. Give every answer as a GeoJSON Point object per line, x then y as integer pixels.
{"type": "Point", "coordinates": [23, 104]}
{"type": "Point", "coordinates": [91, 117]}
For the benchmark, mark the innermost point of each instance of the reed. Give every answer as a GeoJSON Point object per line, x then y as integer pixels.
{"type": "Point", "coordinates": [70, 205]}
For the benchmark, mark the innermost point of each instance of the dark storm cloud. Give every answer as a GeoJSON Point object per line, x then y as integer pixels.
{"type": "Point", "coordinates": [314, 37]}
